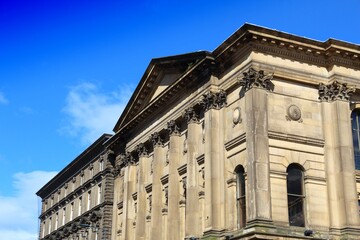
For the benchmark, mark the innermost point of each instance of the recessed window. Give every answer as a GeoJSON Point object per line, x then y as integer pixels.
{"type": "Point", "coordinates": [240, 196]}
{"type": "Point", "coordinates": [296, 196]}
{"type": "Point", "coordinates": [355, 127]}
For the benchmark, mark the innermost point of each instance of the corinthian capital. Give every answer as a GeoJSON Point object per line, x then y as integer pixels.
{"type": "Point", "coordinates": [214, 100]}
{"type": "Point", "coordinates": [253, 78]}
{"type": "Point", "coordinates": [141, 150]}
{"type": "Point", "coordinates": [173, 128]}
{"type": "Point", "coordinates": [191, 115]}
{"type": "Point", "coordinates": [126, 159]}
{"type": "Point", "coordinates": [335, 91]}
{"type": "Point", "coordinates": [156, 139]}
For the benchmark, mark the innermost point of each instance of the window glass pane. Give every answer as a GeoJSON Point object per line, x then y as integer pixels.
{"type": "Point", "coordinates": [294, 181]}
{"type": "Point", "coordinates": [296, 215]}
{"type": "Point", "coordinates": [355, 123]}
{"type": "Point", "coordinates": [295, 196]}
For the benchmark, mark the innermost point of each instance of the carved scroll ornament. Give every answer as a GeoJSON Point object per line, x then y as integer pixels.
{"type": "Point", "coordinates": [173, 128]}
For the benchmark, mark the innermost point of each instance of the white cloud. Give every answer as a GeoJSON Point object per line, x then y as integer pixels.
{"type": "Point", "coordinates": [19, 213]}
{"type": "Point", "coordinates": [3, 100]}
{"type": "Point", "coordinates": [90, 112]}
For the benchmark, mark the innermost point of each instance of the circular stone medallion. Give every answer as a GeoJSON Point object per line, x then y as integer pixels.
{"type": "Point", "coordinates": [294, 113]}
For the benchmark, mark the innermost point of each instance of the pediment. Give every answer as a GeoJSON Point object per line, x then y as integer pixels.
{"type": "Point", "coordinates": [159, 76]}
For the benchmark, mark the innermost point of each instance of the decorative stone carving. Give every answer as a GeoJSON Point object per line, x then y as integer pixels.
{"type": "Point", "coordinates": [253, 78]}
{"type": "Point", "coordinates": [191, 115]}
{"type": "Point", "coordinates": [156, 140]}
{"type": "Point", "coordinates": [150, 202]}
{"type": "Point", "coordinates": [141, 150]}
{"type": "Point", "coordinates": [294, 113]}
{"type": "Point", "coordinates": [213, 100]}
{"type": "Point", "coordinates": [335, 91]}
{"type": "Point", "coordinates": [184, 187]}
{"type": "Point", "coordinates": [173, 128]}
{"type": "Point", "coordinates": [126, 159]}
{"type": "Point", "coordinates": [237, 116]}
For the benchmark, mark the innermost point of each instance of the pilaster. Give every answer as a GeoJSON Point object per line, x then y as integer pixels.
{"type": "Point", "coordinates": [214, 163]}
{"type": "Point", "coordinates": [158, 164]}
{"type": "Point", "coordinates": [140, 232]}
{"type": "Point", "coordinates": [258, 201]}
{"type": "Point", "coordinates": [192, 211]}
{"type": "Point", "coordinates": [339, 159]}
{"type": "Point", "coordinates": [173, 231]}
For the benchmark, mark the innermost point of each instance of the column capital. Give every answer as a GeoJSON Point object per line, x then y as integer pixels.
{"type": "Point", "coordinates": [141, 150]}
{"type": "Point", "coordinates": [191, 116]}
{"type": "Point", "coordinates": [214, 100]}
{"type": "Point", "coordinates": [156, 139]}
{"type": "Point", "coordinates": [126, 159]}
{"type": "Point", "coordinates": [173, 128]}
{"type": "Point", "coordinates": [253, 78]}
{"type": "Point", "coordinates": [335, 91]}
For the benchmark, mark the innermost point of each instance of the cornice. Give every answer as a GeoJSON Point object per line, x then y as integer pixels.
{"type": "Point", "coordinates": [200, 70]}
{"type": "Point", "coordinates": [98, 178]}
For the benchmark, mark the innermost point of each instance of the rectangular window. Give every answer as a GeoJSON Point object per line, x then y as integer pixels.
{"type": "Point", "coordinates": [50, 222]}
{"type": "Point", "coordinates": [63, 217]}
{"type": "Point", "coordinates": [81, 179]}
{"type": "Point", "coordinates": [56, 220]}
{"type": "Point", "coordinates": [99, 194]}
{"type": "Point", "coordinates": [80, 202]}
{"type": "Point", "coordinates": [43, 229]}
{"type": "Point", "coordinates": [88, 201]}
{"type": "Point", "coordinates": [101, 165]}
{"type": "Point", "coordinates": [71, 211]}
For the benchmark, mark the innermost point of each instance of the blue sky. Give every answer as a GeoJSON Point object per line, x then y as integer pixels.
{"type": "Point", "coordinates": [67, 68]}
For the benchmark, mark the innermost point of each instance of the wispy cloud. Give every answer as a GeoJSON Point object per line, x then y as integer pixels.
{"type": "Point", "coordinates": [19, 213]}
{"type": "Point", "coordinates": [91, 112]}
{"type": "Point", "coordinates": [3, 99]}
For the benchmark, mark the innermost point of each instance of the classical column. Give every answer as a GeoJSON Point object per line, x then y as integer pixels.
{"type": "Point", "coordinates": [173, 195]}
{"type": "Point", "coordinates": [192, 211]}
{"type": "Point", "coordinates": [213, 104]}
{"type": "Point", "coordinates": [140, 232]}
{"type": "Point", "coordinates": [158, 164]}
{"type": "Point", "coordinates": [255, 85]}
{"type": "Point", "coordinates": [128, 216]}
{"type": "Point", "coordinates": [339, 157]}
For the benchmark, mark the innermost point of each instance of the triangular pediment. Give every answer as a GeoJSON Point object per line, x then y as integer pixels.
{"type": "Point", "coordinates": [159, 76]}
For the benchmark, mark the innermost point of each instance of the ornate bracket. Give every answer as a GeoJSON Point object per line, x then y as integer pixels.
{"type": "Point", "coordinates": [335, 91]}
{"type": "Point", "coordinates": [156, 140]}
{"type": "Point", "coordinates": [173, 128]}
{"type": "Point", "coordinates": [213, 100]}
{"type": "Point", "coordinates": [253, 78]}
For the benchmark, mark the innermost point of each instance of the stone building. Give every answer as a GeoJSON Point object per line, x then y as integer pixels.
{"type": "Point", "coordinates": [77, 202]}
{"type": "Point", "coordinates": [258, 139]}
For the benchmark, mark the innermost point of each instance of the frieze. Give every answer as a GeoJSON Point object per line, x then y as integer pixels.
{"type": "Point", "coordinates": [335, 91]}
{"type": "Point", "coordinates": [253, 78]}
{"type": "Point", "coordinates": [214, 100]}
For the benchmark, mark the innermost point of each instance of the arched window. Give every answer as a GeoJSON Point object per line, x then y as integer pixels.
{"type": "Point", "coordinates": [355, 127]}
{"type": "Point", "coordinates": [240, 196]}
{"type": "Point", "coordinates": [295, 194]}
